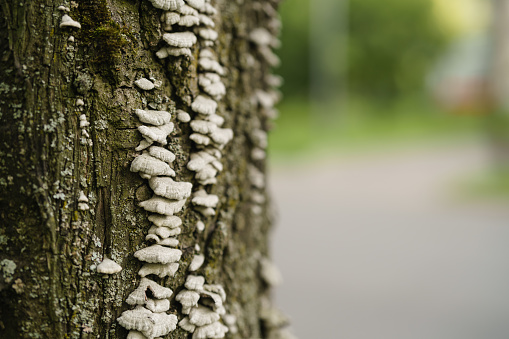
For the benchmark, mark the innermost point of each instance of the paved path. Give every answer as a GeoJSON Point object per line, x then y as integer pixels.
{"type": "Point", "coordinates": [380, 247]}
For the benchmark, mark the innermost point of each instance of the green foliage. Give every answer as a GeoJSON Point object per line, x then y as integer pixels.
{"type": "Point", "coordinates": [365, 125]}
{"type": "Point", "coordinates": [392, 44]}
{"type": "Point", "coordinates": [294, 52]}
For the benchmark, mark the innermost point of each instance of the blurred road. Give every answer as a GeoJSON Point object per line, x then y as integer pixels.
{"type": "Point", "coordinates": [379, 246]}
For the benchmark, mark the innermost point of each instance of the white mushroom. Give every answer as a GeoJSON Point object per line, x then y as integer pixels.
{"type": "Point", "coordinates": [108, 266]}
{"type": "Point", "coordinates": [82, 197]}
{"type": "Point", "coordinates": [67, 21]}
{"type": "Point", "coordinates": [196, 263]}
{"type": "Point", "coordinates": [208, 33]}
{"type": "Point", "coordinates": [270, 273]}
{"type": "Point", "coordinates": [166, 187]}
{"type": "Point", "coordinates": [201, 316]}
{"type": "Point", "coordinates": [174, 51]}
{"type": "Point", "coordinates": [210, 65]}
{"type": "Point", "coordinates": [135, 335]}
{"type": "Point", "coordinates": [170, 18]}
{"type": "Point", "coordinates": [197, 4]}
{"type": "Point", "coordinates": [162, 154]}
{"type": "Point", "coordinates": [201, 198]}
{"type": "Point", "coordinates": [167, 5]}
{"type": "Point", "coordinates": [216, 288]}
{"type": "Point", "coordinates": [164, 232]}
{"type": "Point", "coordinates": [183, 116]}
{"type": "Point", "coordinates": [144, 84]}
{"type": "Point", "coordinates": [194, 282]}
{"type": "Point", "coordinates": [188, 298]}
{"type": "Point", "coordinates": [207, 21]}
{"type": "Point", "coordinates": [188, 10]}
{"type": "Point", "coordinates": [144, 143]}
{"type": "Point", "coordinates": [162, 205]}
{"type": "Point", "coordinates": [222, 136]}
{"type": "Point", "coordinates": [200, 226]}
{"type": "Point", "coordinates": [214, 330]}
{"type": "Point", "coordinates": [158, 254]}
{"type": "Point", "coordinates": [161, 270]}
{"type": "Point", "coordinates": [170, 242]}
{"type": "Point", "coordinates": [146, 163]}
{"type": "Point", "coordinates": [139, 295]}
{"type": "Point", "coordinates": [170, 221]}
{"type": "Point", "coordinates": [256, 177]}
{"type": "Point", "coordinates": [158, 306]}
{"type": "Point", "coordinates": [150, 324]}
{"type": "Point", "coordinates": [156, 133]}
{"type": "Point", "coordinates": [189, 20]}
{"type": "Point", "coordinates": [204, 105]}
{"type": "Point", "coordinates": [200, 139]}
{"type": "Point", "coordinates": [203, 126]}
{"type": "Point", "coordinates": [180, 39]}
{"type": "Point", "coordinates": [186, 325]}
{"type": "Point", "coordinates": [157, 118]}
{"type": "Point", "coordinates": [199, 160]}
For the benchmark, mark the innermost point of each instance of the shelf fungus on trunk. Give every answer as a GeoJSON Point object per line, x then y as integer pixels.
{"type": "Point", "coordinates": [108, 266]}
{"type": "Point", "coordinates": [147, 322]}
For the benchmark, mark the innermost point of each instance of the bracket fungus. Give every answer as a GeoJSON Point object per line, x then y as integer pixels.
{"type": "Point", "coordinates": [156, 133]}
{"type": "Point", "coordinates": [195, 282]}
{"type": "Point", "coordinates": [201, 198]}
{"type": "Point", "coordinates": [164, 232]}
{"type": "Point", "coordinates": [270, 273]}
{"type": "Point", "coordinates": [188, 298]}
{"type": "Point", "coordinates": [198, 4]}
{"type": "Point", "coordinates": [196, 263]}
{"type": "Point", "coordinates": [150, 324]}
{"type": "Point", "coordinates": [161, 270]}
{"type": "Point", "coordinates": [214, 330]}
{"type": "Point", "coordinates": [167, 5]}
{"type": "Point", "coordinates": [206, 20]}
{"type": "Point", "coordinates": [201, 316]}
{"type": "Point", "coordinates": [183, 116]}
{"type": "Point", "coordinates": [108, 266]}
{"type": "Point", "coordinates": [174, 51]}
{"type": "Point", "coordinates": [170, 18]}
{"type": "Point", "coordinates": [187, 10]}
{"type": "Point", "coordinates": [157, 306]}
{"type": "Point", "coordinates": [146, 163]}
{"type": "Point", "coordinates": [162, 205]}
{"type": "Point", "coordinates": [156, 118]}
{"type": "Point", "coordinates": [189, 20]}
{"type": "Point", "coordinates": [186, 325]}
{"type": "Point", "coordinates": [204, 105]}
{"type": "Point", "coordinates": [67, 21]}
{"type": "Point", "coordinates": [170, 242]}
{"type": "Point", "coordinates": [170, 221]}
{"type": "Point", "coordinates": [144, 84]}
{"type": "Point", "coordinates": [162, 154]}
{"type": "Point", "coordinates": [139, 295]}
{"type": "Point", "coordinates": [170, 189]}
{"type": "Point", "coordinates": [180, 39]}
{"type": "Point", "coordinates": [158, 254]}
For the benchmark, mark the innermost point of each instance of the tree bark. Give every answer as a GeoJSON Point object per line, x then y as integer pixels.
{"type": "Point", "coordinates": [49, 246]}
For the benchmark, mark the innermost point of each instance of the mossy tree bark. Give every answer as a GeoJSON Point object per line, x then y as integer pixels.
{"type": "Point", "coordinates": [48, 247]}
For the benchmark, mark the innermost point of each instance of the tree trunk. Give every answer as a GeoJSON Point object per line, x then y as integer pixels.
{"type": "Point", "coordinates": [68, 137]}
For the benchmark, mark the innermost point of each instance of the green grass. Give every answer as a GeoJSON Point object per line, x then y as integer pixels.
{"type": "Point", "coordinates": [362, 125]}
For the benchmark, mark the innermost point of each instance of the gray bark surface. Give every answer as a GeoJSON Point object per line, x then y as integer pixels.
{"type": "Point", "coordinates": [53, 290]}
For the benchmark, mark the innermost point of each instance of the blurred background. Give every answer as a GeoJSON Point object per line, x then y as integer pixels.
{"type": "Point", "coordinates": [390, 169]}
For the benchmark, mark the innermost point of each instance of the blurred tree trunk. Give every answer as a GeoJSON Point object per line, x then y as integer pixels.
{"type": "Point", "coordinates": [48, 246]}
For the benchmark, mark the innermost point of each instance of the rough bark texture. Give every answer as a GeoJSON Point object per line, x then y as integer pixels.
{"type": "Point", "coordinates": [48, 247]}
